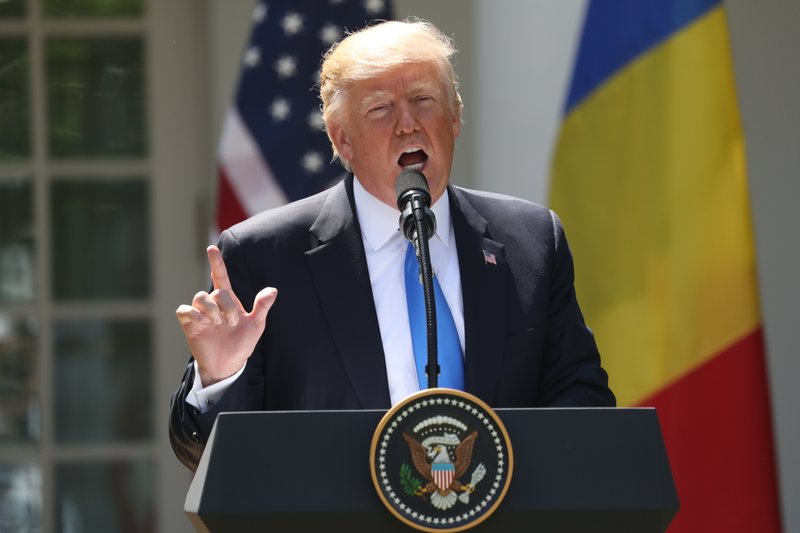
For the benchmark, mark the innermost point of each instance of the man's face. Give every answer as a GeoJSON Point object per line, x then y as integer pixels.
{"type": "Point", "coordinates": [398, 121]}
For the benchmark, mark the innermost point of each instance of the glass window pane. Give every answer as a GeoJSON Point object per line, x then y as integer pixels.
{"type": "Point", "coordinates": [100, 245]}
{"type": "Point", "coordinates": [14, 110]}
{"type": "Point", "coordinates": [12, 8]}
{"type": "Point", "coordinates": [105, 497]}
{"type": "Point", "coordinates": [95, 96]}
{"type": "Point", "coordinates": [20, 417]}
{"type": "Point", "coordinates": [89, 8]}
{"type": "Point", "coordinates": [16, 240]}
{"type": "Point", "coordinates": [20, 498]}
{"type": "Point", "coordinates": [102, 381]}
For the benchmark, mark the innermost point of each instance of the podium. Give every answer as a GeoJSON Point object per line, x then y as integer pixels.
{"type": "Point", "coordinates": [576, 470]}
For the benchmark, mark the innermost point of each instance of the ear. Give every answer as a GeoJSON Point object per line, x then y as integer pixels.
{"type": "Point", "coordinates": [456, 126]}
{"type": "Point", "coordinates": [340, 140]}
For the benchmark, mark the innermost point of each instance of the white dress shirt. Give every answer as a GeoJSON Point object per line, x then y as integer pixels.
{"type": "Point", "coordinates": [385, 249]}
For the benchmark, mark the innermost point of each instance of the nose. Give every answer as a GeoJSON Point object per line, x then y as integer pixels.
{"type": "Point", "coordinates": [406, 121]}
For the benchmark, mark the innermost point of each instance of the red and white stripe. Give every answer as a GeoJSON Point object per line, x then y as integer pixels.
{"type": "Point", "coordinates": [246, 183]}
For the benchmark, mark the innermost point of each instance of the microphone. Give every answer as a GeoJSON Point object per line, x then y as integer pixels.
{"type": "Point", "coordinates": [418, 224]}
{"type": "Point", "coordinates": [414, 200]}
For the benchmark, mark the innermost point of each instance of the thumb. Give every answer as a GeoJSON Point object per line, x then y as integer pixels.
{"type": "Point", "coordinates": [262, 304]}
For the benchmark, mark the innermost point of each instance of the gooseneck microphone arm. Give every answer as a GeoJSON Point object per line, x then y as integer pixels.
{"type": "Point", "coordinates": [418, 224]}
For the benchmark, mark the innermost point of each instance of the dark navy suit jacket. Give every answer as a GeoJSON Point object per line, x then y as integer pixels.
{"type": "Point", "coordinates": [526, 342]}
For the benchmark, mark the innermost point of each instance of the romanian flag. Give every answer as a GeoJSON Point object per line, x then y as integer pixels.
{"type": "Point", "coordinates": [649, 178]}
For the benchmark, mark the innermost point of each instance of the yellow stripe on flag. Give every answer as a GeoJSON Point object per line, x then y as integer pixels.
{"type": "Point", "coordinates": [649, 178]}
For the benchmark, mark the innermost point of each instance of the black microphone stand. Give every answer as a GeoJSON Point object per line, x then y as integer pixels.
{"type": "Point", "coordinates": [426, 272]}
{"type": "Point", "coordinates": [418, 224]}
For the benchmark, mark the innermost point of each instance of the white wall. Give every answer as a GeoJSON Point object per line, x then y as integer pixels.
{"type": "Point", "coordinates": [515, 62]}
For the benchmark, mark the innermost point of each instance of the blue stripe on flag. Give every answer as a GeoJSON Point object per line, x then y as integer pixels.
{"type": "Point", "coordinates": [616, 31]}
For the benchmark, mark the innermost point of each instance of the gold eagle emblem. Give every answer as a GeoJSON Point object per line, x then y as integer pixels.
{"type": "Point", "coordinates": [432, 461]}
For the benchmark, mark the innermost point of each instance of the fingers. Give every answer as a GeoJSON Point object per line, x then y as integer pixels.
{"type": "Point", "coordinates": [190, 315]}
{"type": "Point", "coordinates": [219, 273]}
{"type": "Point", "coordinates": [229, 305]}
{"type": "Point", "coordinates": [263, 303]}
{"type": "Point", "coordinates": [219, 306]}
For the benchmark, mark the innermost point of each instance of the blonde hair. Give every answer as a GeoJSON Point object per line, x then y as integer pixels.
{"type": "Point", "coordinates": [375, 50]}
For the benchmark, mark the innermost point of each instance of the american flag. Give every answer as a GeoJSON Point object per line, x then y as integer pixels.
{"type": "Point", "coordinates": [273, 147]}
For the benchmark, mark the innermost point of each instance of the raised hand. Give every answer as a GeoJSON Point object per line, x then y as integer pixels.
{"type": "Point", "coordinates": [220, 333]}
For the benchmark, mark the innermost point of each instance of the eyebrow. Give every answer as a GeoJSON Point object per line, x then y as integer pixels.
{"type": "Point", "coordinates": [371, 98]}
{"type": "Point", "coordinates": [415, 88]}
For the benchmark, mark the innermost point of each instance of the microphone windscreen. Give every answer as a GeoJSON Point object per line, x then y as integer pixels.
{"type": "Point", "coordinates": [410, 180]}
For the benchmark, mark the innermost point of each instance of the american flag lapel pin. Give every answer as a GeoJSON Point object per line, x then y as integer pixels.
{"type": "Point", "coordinates": [489, 259]}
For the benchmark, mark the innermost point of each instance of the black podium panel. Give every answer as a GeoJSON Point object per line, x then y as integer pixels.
{"type": "Point", "coordinates": [588, 470]}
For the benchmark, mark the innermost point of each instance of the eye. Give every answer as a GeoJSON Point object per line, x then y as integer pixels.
{"type": "Point", "coordinates": [424, 100]}
{"type": "Point", "coordinates": [377, 109]}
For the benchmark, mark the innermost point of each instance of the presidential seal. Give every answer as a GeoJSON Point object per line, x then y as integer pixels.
{"type": "Point", "coordinates": [441, 460]}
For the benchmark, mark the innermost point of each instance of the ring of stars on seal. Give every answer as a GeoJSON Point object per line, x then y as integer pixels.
{"type": "Point", "coordinates": [441, 460]}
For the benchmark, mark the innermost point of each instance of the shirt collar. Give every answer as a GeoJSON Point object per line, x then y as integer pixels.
{"type": "Point", "coordinates": [380, 222]}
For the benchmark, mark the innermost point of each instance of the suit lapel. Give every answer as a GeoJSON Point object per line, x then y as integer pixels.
{"type": "Point", "coordinates": [339, 270]}
{"type": "Point", "coordinates": [484, 281]}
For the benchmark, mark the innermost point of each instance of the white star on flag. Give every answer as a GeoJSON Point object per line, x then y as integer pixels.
{"type": "Point", "coordinates": [315, 121]}
{"type": "Point", "coordinates": [252, 57]}
{"type": "Point", "coordinates": [286, 66]}
{"type": "Point", "coordinates": [313, 162]}
{"type": "Point", "coordinates": [260, 13]}
{"type": "Point", "coordinates": [280, 109]}
{"type": "Point", "coordinates": [292, 23]}
{"type": "Point", "coordinates": [329, 33]}
{"type": "Point", "coordinates": [374, 6]}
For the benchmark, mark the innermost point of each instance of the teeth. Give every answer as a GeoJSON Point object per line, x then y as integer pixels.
{"type": "Point", "coordinates": [415, 166]}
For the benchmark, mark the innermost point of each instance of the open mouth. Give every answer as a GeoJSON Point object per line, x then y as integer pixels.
{"type": "Point", "coordinates": [413, 159]}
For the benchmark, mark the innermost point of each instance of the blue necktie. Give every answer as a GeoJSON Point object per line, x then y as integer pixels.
{"type": "Point", "coordinates": [450, 360]}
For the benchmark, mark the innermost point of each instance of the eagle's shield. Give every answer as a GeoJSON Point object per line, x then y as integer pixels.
{"type": "Point", "coordinates": [443, 474]}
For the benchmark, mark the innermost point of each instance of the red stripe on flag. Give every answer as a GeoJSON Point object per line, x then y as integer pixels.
{"type": "Point", "coordinates": [229, 209]}
{"type": "Point", "coordinates": [717, 428]}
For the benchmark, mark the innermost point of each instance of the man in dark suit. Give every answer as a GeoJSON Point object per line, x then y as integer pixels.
{"type": "Point", "coordinates": [338, 337]}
